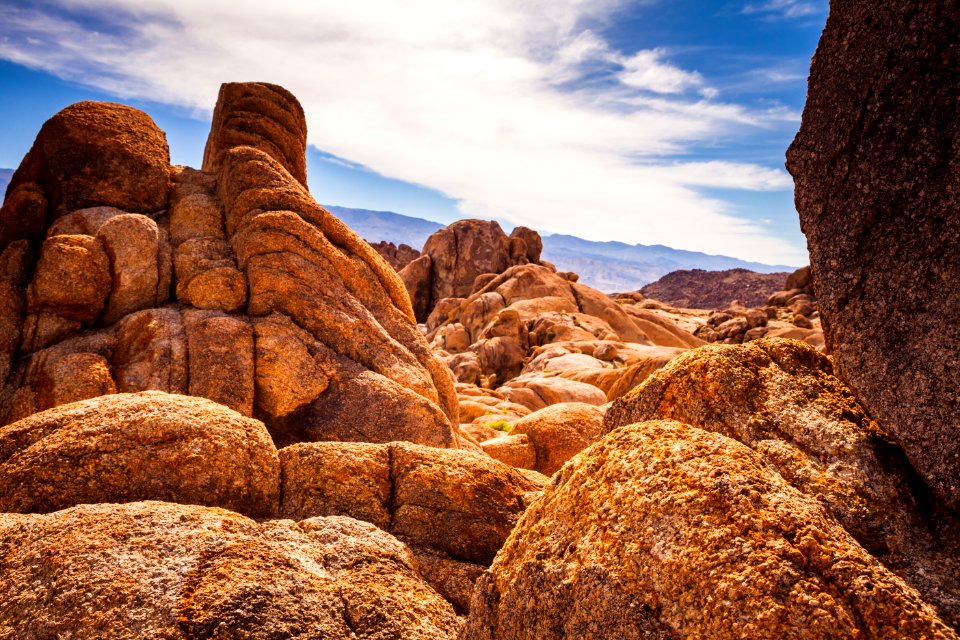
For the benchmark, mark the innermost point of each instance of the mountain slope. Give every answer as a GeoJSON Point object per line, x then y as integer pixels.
{"type": "Point", "coordinates": [608, 266]}
{"type": "Point", "coordinates": [374, 226]}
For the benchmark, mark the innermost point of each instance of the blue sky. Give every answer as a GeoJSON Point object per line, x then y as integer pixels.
{"type": "Point", "coordinates": [653, 121]}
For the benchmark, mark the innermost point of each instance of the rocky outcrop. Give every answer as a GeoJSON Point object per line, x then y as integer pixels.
{"type": "Point", "coordinates": [145, 446]}
{"type": "Point", "coordinates": [156, 570]}
{"type": "Point", "coordinates": [663, 530]}
{"type": "Point", "coordinates": [781, 399]}
{"type": "Point", "coordinates": [90, 154]}
{"type": "Point", "coordinates": [506, 321]}
{"type": "Point", "coordinates": [463, 257]}
{"type": "Point", "coordinates": [229, 283]}
{"type": "Point", "coordinates": [699, 289]}
{"type": "Point", "coordinates": [397, 256]}
{"type": "Point", "coordinates": [877, 174]}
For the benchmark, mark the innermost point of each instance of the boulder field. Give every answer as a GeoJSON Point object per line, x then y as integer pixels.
{"type": "Point", "coordinates": [225, 415]}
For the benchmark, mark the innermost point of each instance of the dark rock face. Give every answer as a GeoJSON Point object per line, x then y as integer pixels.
{"type": "Point", "coordinates": [699, 289]}
{"type": "Point", "coordinates": [877, 170]}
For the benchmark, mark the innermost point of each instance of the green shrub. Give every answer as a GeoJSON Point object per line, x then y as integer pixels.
{"type": "Point", "coordinates": [499, 425]}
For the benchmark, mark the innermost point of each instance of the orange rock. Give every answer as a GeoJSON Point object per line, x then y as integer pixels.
{"type": "Point", "coordinates": [416, 277]}
{"type": "Point", "coordinates": [536, 392]}
{"type": "Point", "coordinates": [259, 115]}
{"type": "Point", "coordinates": [459, 503]}
{"type": "Point", "coordinates": [662, 530]}
{"type": "Point", "coordinates": [73, 377]}
{"type": "Point", "coordinates": [781, 399]}
{"type": "Point", "coordinates": [514, 450]}
{"type": "Point", "coordinates": [221, 359]}
{"type": "Point", "coordinates": [559, 432]}
{"type": "Point", "coordinates": [72, 279]}
{"type": "Point", "coordinates": [337, 479]}
{"type": "Point", "coordinates": [129, 447]}
{"type": "Point", "coordinates": [151, 352]}
{"type": "Point", "coordinates": [99, 154]}
{"type": "Point", "coordinates": [158, 570]}
{"type": "Point", "coordinates": [133, 243]}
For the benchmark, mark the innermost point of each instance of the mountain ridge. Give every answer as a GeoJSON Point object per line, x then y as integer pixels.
{"type": "Point", "coordinates": [606, 265]}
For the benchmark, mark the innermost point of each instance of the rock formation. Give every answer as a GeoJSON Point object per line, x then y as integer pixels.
{"type": "Point", "coordinates": [398, 256]}
{"type": "Point", "coordinates": [699, 289]}
{"type": "Point", "coordinates": [877, 173]}
{"type": "Point", "coordinates": [662, 530]}
{"type": "Point", "coordinates": [462, 252]}
{"type": "Point", "coordinates": [455, 510]}
{"type": "Point", "coordinates": [124, 275]}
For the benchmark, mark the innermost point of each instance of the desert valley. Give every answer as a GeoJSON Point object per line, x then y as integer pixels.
{"type": "Point", "coordinates": [225, 414]}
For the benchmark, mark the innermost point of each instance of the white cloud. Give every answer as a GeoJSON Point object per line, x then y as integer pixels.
{"type": "Point", "coordinates": [647, 70]}
{"type": "Point", "coordinates": [784, 8]}
{"type": "Point", "coordinates": [484, 100]}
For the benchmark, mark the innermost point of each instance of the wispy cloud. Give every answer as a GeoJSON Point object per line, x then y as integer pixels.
{"type": "Point", "coordinates": [785, 9]}
{"type": "Point", "coordinates": [517, 109]}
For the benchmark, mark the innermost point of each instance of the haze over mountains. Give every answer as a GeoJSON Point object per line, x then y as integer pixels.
{"type": "Point", "coordinates": [5, 175]}
{"type": "Point", "coordinates": [608, 266]}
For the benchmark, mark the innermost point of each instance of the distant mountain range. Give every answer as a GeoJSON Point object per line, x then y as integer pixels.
{"type": "Point", "coordinates": [608, 266]}
{"type": "Point", "coordinates": [5, 175]}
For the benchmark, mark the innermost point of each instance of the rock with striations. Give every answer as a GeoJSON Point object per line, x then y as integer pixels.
{"type": "Point", "coordinates": [781, 399]}
{"type": "Point", "coordinates": [461, 252]}
{"type": "Point", "coordinates": [877, 171]}
{"type": "Point", "coordinates": [663, 530]}
{"type": "Point", "coordinates": [131, 447]}
{"type": "Point", "coordinates": [229, 283]}
{"type": "Point", "coordinates": [155, 570]}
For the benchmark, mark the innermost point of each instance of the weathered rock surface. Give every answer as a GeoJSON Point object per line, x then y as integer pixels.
{"type": "Point", "coordinates": [90, 154]}
{"type": "Point", "coordinates": [157, 570]}
{"type": "Point", "coordinates": [263, 116]}
{"type": "Point", "coordinates": [463, 257]}
{"type": "Point", "coordinates": [459, 503]}
{"type": "Point", "coordinates": [502, 328]}
{"type": "Point", "coordinates": [130, 447]}
{"type": "Point", "coordinates": [453, 508]}
{"type": "Point", "coordinates": [230, 283]}
{"type": "Point", "coordinates": [462, 251]}
{"type": "Point", "coordinates": [780, 398]}
{"type": "Point", "coordinates": [662, 530]}
{"type": "Point", "coordinates": [877, 174]}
